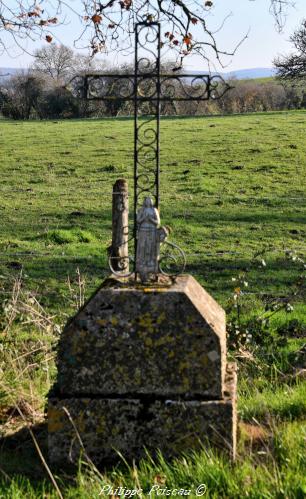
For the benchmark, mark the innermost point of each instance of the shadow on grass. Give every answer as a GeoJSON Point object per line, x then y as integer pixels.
{"type": "Point", "coordinates": [50, 277]}
{"type": "Point", "coordinates": [19, 456]}
{"type": "Point", "coordinates": [243, 214]}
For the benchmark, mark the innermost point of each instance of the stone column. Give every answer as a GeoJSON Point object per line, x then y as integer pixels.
{"type": "Point", "coordinates": [119, 250]}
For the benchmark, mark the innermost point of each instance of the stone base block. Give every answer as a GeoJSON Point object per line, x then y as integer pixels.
{"type": "Point", "coordinates": [108, 426]}
{"type": "Point", "coordinates": [131, 340]}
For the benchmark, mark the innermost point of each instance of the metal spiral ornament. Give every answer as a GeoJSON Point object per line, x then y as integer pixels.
{"type": "Point", "coordinates": [172, 261]}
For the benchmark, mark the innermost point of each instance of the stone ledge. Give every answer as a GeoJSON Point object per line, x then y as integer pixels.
{"type": "Point", "coordinates": [108, 426]}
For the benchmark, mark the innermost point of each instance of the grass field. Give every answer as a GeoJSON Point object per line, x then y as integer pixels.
{"type": "Point", "coordinates": [233, 192]}
{"type": "Point", "coordinates": [230, 187]}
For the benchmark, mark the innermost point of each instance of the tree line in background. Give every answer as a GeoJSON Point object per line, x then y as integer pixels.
{"type": "Point", "coordinates": [27, 96]}
{"type": "Point", "coordinates": [42, 93]}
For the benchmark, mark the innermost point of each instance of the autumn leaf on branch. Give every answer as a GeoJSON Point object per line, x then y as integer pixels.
{"type": "Point", "coordinates": [187, 39]}
{"type": "Point", "coordinates": [125, 4]}
{"type": "Point", "coordinates": [96, 19]}
{"type": "Point", "coordinates": [49, 38]}
{"type": "Point", "coordinates": [33, 13]}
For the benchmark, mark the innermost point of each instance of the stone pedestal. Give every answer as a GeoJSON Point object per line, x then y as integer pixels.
{"type": "Point", "coordinates": [143, 367]}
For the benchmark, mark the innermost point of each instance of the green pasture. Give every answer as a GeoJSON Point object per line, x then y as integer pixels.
{"type": "Point", "coordinates": [231, 187]}
{"type": "Point", "coordinates": [233, 193]}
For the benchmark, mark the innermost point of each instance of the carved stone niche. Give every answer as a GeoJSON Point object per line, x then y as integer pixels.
{"type": "Point", "coordinates": [143, 367]}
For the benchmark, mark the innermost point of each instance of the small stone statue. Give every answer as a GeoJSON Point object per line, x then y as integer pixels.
{"type": "Point", "coordinates": [149, 237]}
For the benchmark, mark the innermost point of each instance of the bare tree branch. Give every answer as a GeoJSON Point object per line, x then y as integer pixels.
{"type": "Point", "coordinates": [109, 25]}
{"type": "Point", "coordinates": [293, 66]}
{"type": "Point", "coordinates": [279, 9]}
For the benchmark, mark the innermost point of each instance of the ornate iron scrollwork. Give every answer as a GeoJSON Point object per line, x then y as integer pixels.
{"type": "Point", "coordinates": [147, 88]}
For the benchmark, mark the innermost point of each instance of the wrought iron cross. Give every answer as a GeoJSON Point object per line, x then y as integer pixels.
{"type": "Point", "coordinates": [148, 86]}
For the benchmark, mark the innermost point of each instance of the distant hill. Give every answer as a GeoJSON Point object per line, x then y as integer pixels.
{"type": "Point", "coordinates": [243, 74]}
{"type": "Point", "coordinates": [5, 72]}
{"type": "Point", "coordinates": [240, 74]}
{"type": "Point", "coordinates": [10, 71]}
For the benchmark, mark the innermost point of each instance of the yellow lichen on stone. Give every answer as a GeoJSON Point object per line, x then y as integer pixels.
{"type": "Point", "coordinates": [183, 365]}
{"type": "Point", "coordinates": [146, 322]}
{"type": "Point", "coordinates": [55, 421]}
{"type": "Point", "coordinates": [120, 369]}
{"type": "Point", "coordinates": [186, 383]}
{"type": "Point", "coordinates": [115, 430]}
{"type": "Point", "coordinates": [101, 427]}
{"type": "Point", "coordinates": [164, 340]}
{"type": "Point", "coordinates": [188, 330]}
{"type": "Point", "coordinates": [148, 342]}
{"type": "Point", "coordinates": [80, 423]}
{"type": "Point", "coordinates": [138, 378]}
{"type": "Point", "coordinates": [161, 318]}
{"type": "Point", "coordinates": [204, 360]}
{"type": "Point", "coordinates": [101, 322]}
{"type": "Point", "coordinates": [77, 343]}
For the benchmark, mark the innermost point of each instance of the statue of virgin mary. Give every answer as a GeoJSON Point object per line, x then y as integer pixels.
{"type": "Point", "coordinates": [148, 240]}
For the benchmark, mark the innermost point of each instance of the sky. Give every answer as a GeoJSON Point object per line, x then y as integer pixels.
{"type": "Point", "coordinates": [246, 17]}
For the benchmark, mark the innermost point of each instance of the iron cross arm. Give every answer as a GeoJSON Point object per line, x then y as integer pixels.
{"type": "Point", "coordinates": [148, 87]}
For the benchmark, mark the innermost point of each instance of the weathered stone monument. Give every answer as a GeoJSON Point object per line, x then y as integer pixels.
{"type": "Point", "coordinates": [143, 364]}
{"type": "Point", "coordinates": [143, 368]}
